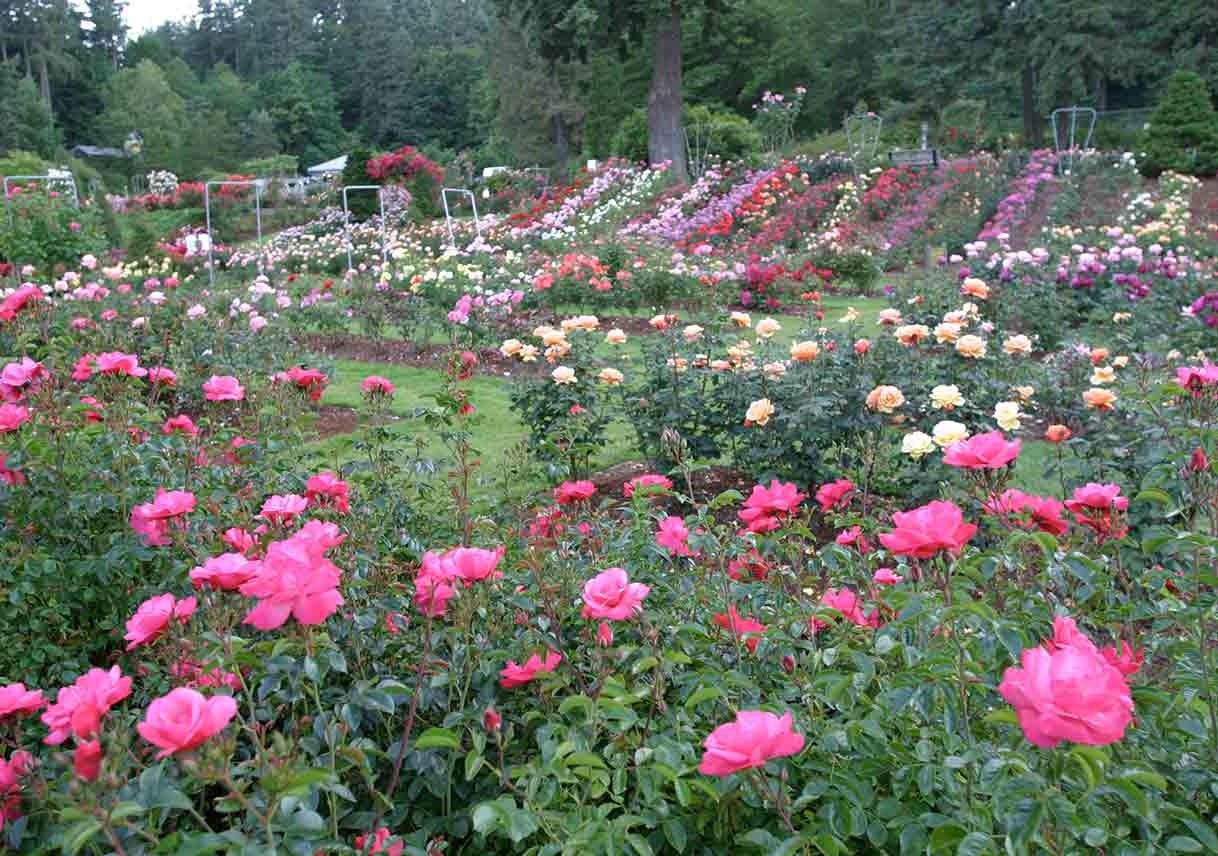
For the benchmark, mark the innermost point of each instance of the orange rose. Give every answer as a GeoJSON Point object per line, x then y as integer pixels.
{"type": "Point", "coordinates": [1057, 434]}
{"type": "Point", "coordinates": [1099, 398]}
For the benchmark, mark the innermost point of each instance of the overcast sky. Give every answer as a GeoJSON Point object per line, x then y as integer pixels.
{"type": "Point", "coordinates": [149, 14]}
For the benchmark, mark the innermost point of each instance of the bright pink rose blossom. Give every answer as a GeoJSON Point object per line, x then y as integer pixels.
{"type": "Point", "coordinates": [154, 615]}
{"type": "Point", "coordinates": [610, 594]}
{"type": "Point", "coordinates": [295, 579]}
{"type": "Point", "coordinates": [767, 507]}
{"type": "Point", "coordinates": [673, 536]}
{"type": "Point", "coordinates": [514, 675]}
{"type": "Point", "coordinates": [223, 388]}
{"type": "Point", "coordinates": [982, 452]}
{"type": "Point", "coordinates": [79, 708]}
{"type": "Point", "coordinates": [226, 572]}
{"type": "Point", "coordinates": [754, 738]}
{"type": "Point", "coordinates": [925, 531]}
{"type": "Point", "coordinates": [151, 520]}
{"type": "Point", "coordinates": [16, 700]}
{"type": "Point", "coordinates": [87, 760]}
{"type": "Point", "coordinates": [185, 719]}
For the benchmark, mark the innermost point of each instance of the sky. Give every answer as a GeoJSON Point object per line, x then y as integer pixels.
{"type": "Point", "coordinates": [149, 14]}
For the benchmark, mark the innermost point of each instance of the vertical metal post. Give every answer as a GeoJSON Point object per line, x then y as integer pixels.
{"type": "Point", "coordinates": [452, 240]}
{"type": "Point", "coordinates": [211, 273]}
{"type": "Point", "coordinates": [380, 193]}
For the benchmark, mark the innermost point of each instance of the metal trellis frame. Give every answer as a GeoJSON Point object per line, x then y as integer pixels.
{"type": "Point", "coordinates": [68, 179]}
{"type": "Point", "coordinates": [862, 136]}
{"type": "Point", "coordinates": [257, 185]}
{"type": "Point", "coordinates": [380, 195]}
{"type": "Point", "coordinates": [1074, 113]}
{"type": "Point", "coordinates": [448, 220]}
{"type": "Point", "coordinates": [697, 147]}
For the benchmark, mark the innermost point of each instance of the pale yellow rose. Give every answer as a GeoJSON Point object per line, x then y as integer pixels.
{"type": "Point", "coordinates": [1006, 414]}
{"type": "Point", "coordinates": [767, 327]}
{"type": "Point", "coordinates": [1018, 344]}
{"type": "Point", "coordinates": [557, 351]}
{"type": "Point", "coordinates": [528, 353]}
{"type": "Point", "coordinates": [554, 337]}
{"type": "Point", "coordinates": [971, 347]}
{"type": "Point", "coordinates": [948, 432]}
{"type": "Point", "coordinates": [1120, 362]}
{"type": "Point", "coordinates": [610, 377]}
{"type": "Point", "coordinates": [563, 375]}
{"type": "Point", "coordinates": [759, 412]}
{"type": "Point", "coordinates": [587, 322]}
{"type": "Point", "coordinates": [1102, 375]}
{"type": "Point", "coordinates": [946, 397]}
{"type": "Point", "coordinates": [805, 351]}
{"type": "Point", "coordinates": [1122, 316]}
{"type": "Point", "coordinates": [917, 445]}
{"type": "Point", "coordinates": [885, 399]}
{"type": "Point", "coordinates": [511, 347]}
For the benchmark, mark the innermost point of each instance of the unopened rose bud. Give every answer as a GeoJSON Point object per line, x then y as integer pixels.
{"type": "Point", "coordinates": [491, 720]}
{"type": "Point", "coordinates": [788, 663]}
{"type": "Point", "coordinates": [604, 634]}
{"type": "Point", "coordinates": [1199, 462]}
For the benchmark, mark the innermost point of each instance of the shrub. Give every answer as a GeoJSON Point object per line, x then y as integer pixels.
{"type": "Point", "coordinates": [361, 205]}
{"type": "Point", "coordinates": [1183, 132]}
{"type": "Point", "coordinates": [726, 134]}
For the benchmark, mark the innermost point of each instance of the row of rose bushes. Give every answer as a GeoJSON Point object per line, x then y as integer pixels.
{"type": "Point", "coordinates": [548, 704]}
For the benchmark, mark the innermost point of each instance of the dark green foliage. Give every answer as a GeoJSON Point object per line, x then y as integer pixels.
{"type": "Point", "coordinates": [1183, 133]}
{"type": "Point", "coordinates": [716, 132]}
{"type": "Point", "coordinates": [361, 205]}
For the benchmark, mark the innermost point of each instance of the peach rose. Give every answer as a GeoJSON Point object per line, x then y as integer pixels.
{"type": "Point", "coordinates": [759, 412]}
{"type": "Point", "coordinates": [971, 347]}
{"type": "Point", "coordinates": [885, 399]}
{"type": "Point", "coordinates": [1099, 398]}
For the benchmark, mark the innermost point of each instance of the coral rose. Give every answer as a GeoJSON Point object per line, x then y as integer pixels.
{"type": "Point", "coordinates": [1099, 398]}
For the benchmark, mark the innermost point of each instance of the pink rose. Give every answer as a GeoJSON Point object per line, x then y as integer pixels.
{"type": "Point", "coordinates": [21, 378]}
{"type": "Point", "coordinates": [377, 385]}
{"type": "Point", "coordinates": [570, 492]}
{"type": "Point", "coordinates": [473, 564]}
{"type": "Point", "coordinates": [163, 377]}
{"type": "Point", "coordinates": [79, 708]}
{"type": "Point", "coordinates": [1068, 692]}
{"type": "Point", "coordinates": [673, 536]}
{"type": "Point", "coordinates": [223, 388]}
{"type": "Point", "coordinates": [16, 700]}
{"type": "Point", "coordinates": [87, 760]}
{"type": "Point", "coordinates": [152, 519]}
{"type": "Point", "coordinates": [225, 572]}
{"type": "Point", "coordinates": [515, 676]}
{"type": "Point", "coordinates": [746, 628]}
{"type": "Point", "coordinates": [118, 363]}
{"type": "Point", "coordinates": [240, 540]}
{"type": "Point", "coordinates": [610, 594]}
{"type": "Point", "coordinates": [12, 417]}
{"type": "Point", "coordinates": [849, 604]}
{"type": "Point", "coordinates": [326, 489]}
{"type": "Point", "coordinates": [766, 508]}
{"type": "Point", "coordinates": [294, 579]}
{"type": "Point", "coordinates": [754, 738]}
{"type": "Point", "coordinates": [834, 494]}
{"type": "Point", "coordinates": [184, 719]}
{"type": "Point", "coordinates": [649, 480]}
{"type": "Point", "coordinates": [984, 451]}
{"type": "Point", "coordinates": [886, 577]}
{"type": "Point", "coordinates": [925, 531]}
{"type": "Point", "coordinates": [154, 615]}
{"type": "Point", "coordinates": [180, 424]}
{"type": "Point", "coordinates": [282, 510]}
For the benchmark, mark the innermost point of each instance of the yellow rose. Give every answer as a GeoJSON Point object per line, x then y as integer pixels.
{"type": "Point", "coordinates": [1120, 362]}
{"type": "Point", "coordinates": [767, 327]}
{"type": "Point", "coordinates": [611, 377]}
{"type": "Point", "coordinates": [945, 397]}
{"type": "Point", "coordinates": [1006, 414]}
{"type": "Point", "coordinates": [948, 432]}
{"type": "Point", "coordinates": [563, 375]}
{"type": "Point", "coordinates": [555, 351]}
{"type": "Point", "coordinates": [1103, 374]}
{"type": "Point", "coordinates": [528, 353]}
{"type": "Point", "coordinates": [917, 445]}
{"type": "Point", "coordinates": [1099, 398]}
{"type": "Point", "coordinates": [971, 347]}
{"type": "Point", "coordinates": [805, 351]}
{"type": "Point", "coordinates": [759, 412]}
{"type": "Point", "coordinates": [850, 317]}
{"type": "Point", "coordinates": [885, 399]}
{"type": "Point", "coordinates": [587, 322]}
{"type": "Point", "coordinates": [616, 336]}
{"type": "Point", "coordinates": [1019, 344]}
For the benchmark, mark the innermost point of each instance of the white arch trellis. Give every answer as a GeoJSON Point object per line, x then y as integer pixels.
{"type": "Point", "coordinates": [448, 220]}
{"type": "Point", "coordinates": [862, 136]}
{"type": "Point", "coordinates": [1088, 115]}
{"type": "Point", "coordinates": [257, 185]}
{"type": "Point", "coordinates": [380, 195]}
{"type": "Point", "coordinates": [68, 179]}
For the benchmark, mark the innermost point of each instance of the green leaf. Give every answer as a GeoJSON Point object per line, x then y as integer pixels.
{"type": "Point", "coordinates": [1184, 844]}
{"type": "Point", "coordinates": [701, 694]}
{"type": "Point", "coordinates": [438, 738]}
{"type": "Point", "coordinates": [674, 831]}
{"type": "Point", "coordinates": [125, 810]}
{"type": "Point", "coordinates": [521, 825]}
{"type": "Point", "coordinates": [486, 817]}
{"type": "Point", "coordinates": [974, 844]}
{"type": "Point", "coordinates": [1095, 836]}
{"type": "Point", "coordinates": [473, 763]}
{"type": "Point", "coordinates": [585, 759]}
{"type": "Point", "coordinates": [946, 837]}
{"type": "Point", "coordinates": [79, 834]}
{"type": "Point", "coordinates": [1153, 494]}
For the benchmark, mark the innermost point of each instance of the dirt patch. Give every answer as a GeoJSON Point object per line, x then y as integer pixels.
{"type": "Point", "coordinates": [333, 420]}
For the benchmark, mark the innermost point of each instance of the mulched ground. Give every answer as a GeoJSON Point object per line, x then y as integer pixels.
{"type": "Point", "coordinates": [333, 420]}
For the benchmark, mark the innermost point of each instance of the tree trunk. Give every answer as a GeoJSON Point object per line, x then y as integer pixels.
{"type": "Point", "coordinates": [665, 141]}
{"type": "Point", "coordinates": [562, 145]}
{"type": "Point", "coordinates": [1031, 115]}
{"type": "Point", "coordinates": [44, 80]}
